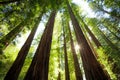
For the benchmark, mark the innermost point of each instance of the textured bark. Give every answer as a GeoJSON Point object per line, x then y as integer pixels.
{"type": "Point", "coordinates": [93, 70]}
{"type": "Point", "coordinates": [7, 2]}
{"type": "Point", "coordinates": [67, 75]}
{"type": "Point", "coordinates": [78, 73]}
{"type": "Point", "coordinates": [15, 69]}
{"type": "Point", "coordinates": [38, 69]}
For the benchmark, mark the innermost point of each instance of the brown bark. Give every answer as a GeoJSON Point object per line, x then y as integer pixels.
{"type": "Point", "coordinates": [7, 2]}
{"type": "Point", "coordinates": [93, 70]}
{"type": "Point", "coordinates": [38, 69]}
{"type": "Point", "coordinates": [67, 75]}
{"type": "Point", "coordinates": [15, 69]}
{"type": "Point", "coordinates": [78, 72]}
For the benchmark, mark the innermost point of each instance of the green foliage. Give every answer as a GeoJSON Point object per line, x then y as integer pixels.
{"type": "Point", "coordinates": [106, 64]}
{"type": "Point", "coordinates": [26, 13]}
{"type": "Point", "coordinates": [7, 59]}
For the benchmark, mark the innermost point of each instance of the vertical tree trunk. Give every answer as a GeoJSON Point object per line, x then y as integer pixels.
{"type": "Point", "coordinates": [38, 69]}
{"type": "Point", "coordinates": [97, 43]}
{"type": "Point", "coordinates": [67, 75]}
{"type": "Point", "coordinates": [5, 41]}
{"type": "Point", "coordinates": [93, 70]}
{"type": "Point", "coordinates": [78, 73]}
{"type": "Point", "coordinates": [15, 69]}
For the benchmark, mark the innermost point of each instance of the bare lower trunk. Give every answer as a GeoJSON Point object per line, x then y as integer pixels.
{"type": "Point", "coordinates": [78, 73]}
{"type": "Point", "coordinates": [93, 70]}
{"type": "Point", "coordinates": [38, 69]}
{"type": "Point", "coordinates": [67, 76]}
{"type": "Point", "coordinates": [15, 69]}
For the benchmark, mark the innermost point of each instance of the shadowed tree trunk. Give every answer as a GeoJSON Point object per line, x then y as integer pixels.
{"type": "Point", "coordinates": [78, 73]}
{"type": "Point", "coordinates": [67, 75]}
{"type": "Point", "coordinates": [38, 69]}
{"type": "Point", "coordinates": [93, 70]}
{"type": "Point", "coordinates": [89, 42]}
{"type": "Point", "coordinates": [7, 2]}
{"type": "Point", "coordinates": [59, 74]}
{"type": "Point", "coordinates": [15, 69]}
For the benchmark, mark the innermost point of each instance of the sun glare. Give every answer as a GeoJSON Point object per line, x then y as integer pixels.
{"type": "Point", "coordinates": [77, 47]}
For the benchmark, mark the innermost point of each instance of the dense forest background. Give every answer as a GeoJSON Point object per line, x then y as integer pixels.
{"type": "Point", "coordinates": [59, 40]}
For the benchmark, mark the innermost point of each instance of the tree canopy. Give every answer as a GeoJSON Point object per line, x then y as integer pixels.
{"type": "Point", "coordinates": [58, 40]}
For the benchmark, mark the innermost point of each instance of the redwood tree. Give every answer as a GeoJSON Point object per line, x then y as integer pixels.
{"type": "Point", "coordinates": [95, 40]}
{"type": "Point", "coordinates": [38, 69]}
{"type": "Point", "coordinates": [93, 70]}
{"type": "Point", "coordinates": [78, 72]}
{"type": "Point", "coordinates": [67, 75]}
{"type": "Point", "coordinates": [15, 69]}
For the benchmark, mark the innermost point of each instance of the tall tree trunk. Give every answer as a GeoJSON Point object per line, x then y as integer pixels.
{"type": "Point", "coordinates": [97, 43]}
{"type": "Point", "coordinates": [107, 40]}
{"type": "Point", "coordinates": [15, 69]}
{"type": "Point", "coordinates": [93, 70]}
{"type": "Point", "coordinates": [38, 69]}
{"type": "Point", "coordinates": [7, 2]}
{"type": "Point", "coordinates": [89, 42]}
{"type": "Point", "coordinates": [67, 75]}
{"type": "Point", "coordinates": [78, 72]}
{"type": "Point", "coordinates": [5, 41]}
